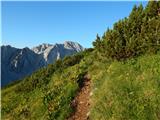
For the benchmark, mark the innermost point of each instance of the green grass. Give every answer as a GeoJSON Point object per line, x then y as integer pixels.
{"type": "Point", "coordinates": [46, 94]}
{"type": "Point", "coordinates": [51, 101]}
{"type": "Point", "coordinates": [127, 90]}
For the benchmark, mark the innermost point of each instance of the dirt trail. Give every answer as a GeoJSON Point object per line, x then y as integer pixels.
{"type": "Point", "coordinates": [81, 102]}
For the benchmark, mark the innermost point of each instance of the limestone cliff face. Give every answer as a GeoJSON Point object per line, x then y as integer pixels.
{"type": "Point", "coordinates": [18, 63]}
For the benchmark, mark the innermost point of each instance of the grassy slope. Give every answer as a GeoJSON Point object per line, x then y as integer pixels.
{"type": "Point", "coordinates": [126, 90]}
{"type": "Point", "coordinates": [121, 90]}
{"type": "Point", "coordinates": [44, 95]}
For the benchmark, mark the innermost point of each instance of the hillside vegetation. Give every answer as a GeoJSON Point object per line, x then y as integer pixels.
{"type": "Point", "coordinates": [47, 93]}
{"type": "Point", "coordinates": [124, 69]}
{"type": "Point", "coordinates": [126, 90]}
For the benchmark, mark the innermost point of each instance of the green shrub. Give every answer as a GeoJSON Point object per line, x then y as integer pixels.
{"type": "Point", "coordinates": [133, 36]}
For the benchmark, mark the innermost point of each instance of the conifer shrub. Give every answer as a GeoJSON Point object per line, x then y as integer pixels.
{"type": "Point", "coordinates": [133, 36]}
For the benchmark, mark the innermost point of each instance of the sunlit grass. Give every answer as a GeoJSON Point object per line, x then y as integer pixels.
{"type": "Point", "coordinates": [129, 90]}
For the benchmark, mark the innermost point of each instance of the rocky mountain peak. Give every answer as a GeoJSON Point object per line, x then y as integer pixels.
{"type": "Point", "coordinates": [17, 63]}
{"type": "Point", "coordinates": [41, 48]}
{"type": "Point", "coordinates": [73, 45]}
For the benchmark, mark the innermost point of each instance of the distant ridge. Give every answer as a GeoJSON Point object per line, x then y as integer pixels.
{"type": "Point", "coordinates": [18, 63]}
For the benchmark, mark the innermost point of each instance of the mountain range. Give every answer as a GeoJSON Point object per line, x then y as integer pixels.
{"type": "Point", "coordinates": [18, 63]}
{"type": "Point", "coordinates": [117, 79]}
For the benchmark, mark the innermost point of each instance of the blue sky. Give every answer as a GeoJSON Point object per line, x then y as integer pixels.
{"type": "Point", "coordinates": [33, 23]}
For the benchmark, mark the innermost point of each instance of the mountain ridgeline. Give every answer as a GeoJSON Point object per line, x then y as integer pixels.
{"type": "Point", "coordinates": [123, 69]}
{"type": "Point", "coordinates": [18, 63]}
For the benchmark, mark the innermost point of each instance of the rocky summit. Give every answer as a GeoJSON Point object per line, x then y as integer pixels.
{"type": "Point", "coordinates": [18, 63]}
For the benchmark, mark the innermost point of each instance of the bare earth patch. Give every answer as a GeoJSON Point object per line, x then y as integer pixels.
{"type": "Point", "coordinates": [81, 102]}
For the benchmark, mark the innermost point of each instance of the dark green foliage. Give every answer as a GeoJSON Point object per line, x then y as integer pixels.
{"type": "Point", "coordinates": [121, 90]}
{"type": "Point", "coordinates": [132, 36]}
{"type": "Point", "coordinates": [72, 60]}
{"type": "Point", "coordinates": [152, 9]}
{"type": "Point", "coordinates": [37, 79]}
{"type": "Point", "coordinates": [42, 76]}
{"type": "Point", "coordinates": [97, 41]}
{"type": "Point", "coordinates": [75, 59]}
{"type": "Point", "coordinates": [80, 79]}
{"type": "Point", "coordinates": [46, 93]}
{"type": "Point", "coordinates": [98, 44]}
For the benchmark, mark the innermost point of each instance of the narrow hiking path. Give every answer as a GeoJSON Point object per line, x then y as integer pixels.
{"type": "Point", "coordinates": [81, 101]}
